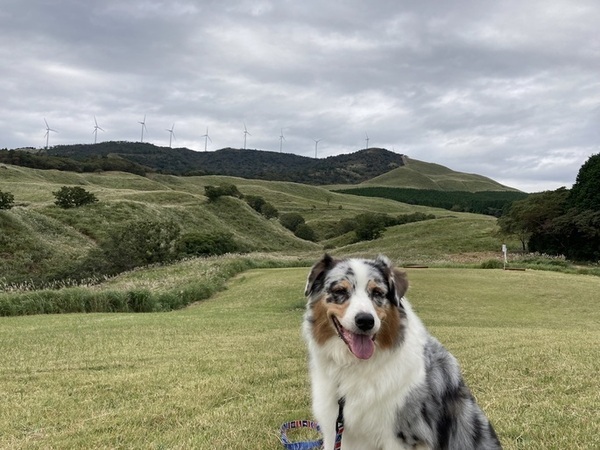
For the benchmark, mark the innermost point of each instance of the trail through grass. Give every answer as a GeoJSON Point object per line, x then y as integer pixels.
{"type": "Point", "coordinates": [228, 371]}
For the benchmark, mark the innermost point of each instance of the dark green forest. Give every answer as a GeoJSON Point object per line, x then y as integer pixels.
{"type": "Point", "coordinates": [485, 202]}
{"type": "Point", "coordinates": [253, 164]}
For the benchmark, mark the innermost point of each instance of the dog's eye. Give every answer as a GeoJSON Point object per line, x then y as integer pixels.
{"type": "Point", "coordinates": [377, 293]}
{"type": "Point", "coordinates": [340, 293]}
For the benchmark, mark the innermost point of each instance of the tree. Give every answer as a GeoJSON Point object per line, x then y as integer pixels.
{"type": "Point", "coordinates": [7, 200]}
{"type": "Point", "coordinates": [585, 194]}
{"type": "Point", "coordinates": [214, 192]}
{"type": "Point", "coordinates": [533, 214]}
{"type": "Point", "coordinates": [204, 244]}
{"type": "Point", "coordinates": [369, 226]}
{"type": "Point", "coordinates": [73, 197]}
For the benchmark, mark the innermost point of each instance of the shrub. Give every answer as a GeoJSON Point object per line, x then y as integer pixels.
{"type": "Point", "coordinates": [7, 200]}
{"type": "Point", "coordinates": [205, 244]}
{"type": "Point", "coordinates": [269, 211]}
{"type": "Point", "coordinates": [291, 221]}
{"type": "Point", "coordinates": [73, 197]}
{"type": "Point", "coordinates": [303, 231]}
{"type": "Point", "coordinates": [140, 243]}
{"type": "Point", "coordinates": [255, 202]}
{"type": "Point", "coordinates": [369, 226]}
{"type": "Point", "coordinates": [214, 192]}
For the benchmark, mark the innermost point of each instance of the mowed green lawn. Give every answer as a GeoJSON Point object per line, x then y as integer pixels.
{"type": "Point", "coordinates": [225, 373]}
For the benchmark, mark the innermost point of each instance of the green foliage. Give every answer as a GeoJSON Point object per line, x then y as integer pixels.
{"type": "Point", "coordinates": [261, 206]}
{"type": "Point", "coordinates": [483, 202]}
{"type": "Point", "coordinates": [89, 162]}
{"type": "Point", "coordinates": [369, 226]}
{"type": "Point", "coordinates": [585, 194]}
{"type": "Point", "coordinates": [214, 192]}
{"type": "Point", "coordinates": [7, 200]}
{"type": "Point", "coordinates": [207, 244]}
{"type": "Point", "coordinates": [73, 197]}
{"type": "Point", "coordinates": [492, 264]}
{"type": "Point", "coordinates": [269, 211]}
{"type": "Point", "coordinates": [561, 222]}
{"type": "Point", "coordinates": [255, 202]}
{"type": "Point", "coordinates": [291, 221]}
{"type": "Point", "coordinates": [139, 243]}
{"type": "Point", "coordinates": [303, 231]}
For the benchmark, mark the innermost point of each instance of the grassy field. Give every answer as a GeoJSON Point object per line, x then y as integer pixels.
{"type": "Point", "coordinates": [226, 372]}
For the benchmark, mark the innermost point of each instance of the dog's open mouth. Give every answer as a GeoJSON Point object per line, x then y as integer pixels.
{"type": "Point", "coordinates": [361, 345]}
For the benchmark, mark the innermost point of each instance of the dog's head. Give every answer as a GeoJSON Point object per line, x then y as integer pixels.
{"type": "Point", "coordinates": [358, 301]}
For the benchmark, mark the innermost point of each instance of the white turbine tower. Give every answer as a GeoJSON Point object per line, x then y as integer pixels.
{"type": "Point", "coordinates": [96, 128]}
{"type": "Point", "coordinates": [367, 139]}
{"type": "Point", "coordinates": [171, 134]}
{"type": "Point", "coordinates": [206, 139]}
{"type": "Point", "coordinates": [246, 133]}
{"type": "Point", "coordinates": [143, 124]}
{"type": "Point", "coordinates": [281, 139]}
{"type": "Point", "coordinates": [47, 135]}
{"type": "Point", "coordinates": [316, 145]}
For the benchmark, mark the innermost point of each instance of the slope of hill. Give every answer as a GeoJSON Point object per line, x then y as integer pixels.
{"type": "Point", "coordinates": [417, 174]}
{"type": "Point", "coordinates": [256, 164]}
{"type": "Point", "coordinates": [36, 237]}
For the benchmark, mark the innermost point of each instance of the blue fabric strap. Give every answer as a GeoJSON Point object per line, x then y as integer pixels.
{"type": "Point", "coordinates": [302, 445]}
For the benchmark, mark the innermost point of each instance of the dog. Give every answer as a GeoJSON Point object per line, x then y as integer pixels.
{"type": "Point", "coordinates": [372, 361]}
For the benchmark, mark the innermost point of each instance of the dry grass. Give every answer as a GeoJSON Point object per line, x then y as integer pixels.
{"type": "Point", "coordinates": [227, 372]}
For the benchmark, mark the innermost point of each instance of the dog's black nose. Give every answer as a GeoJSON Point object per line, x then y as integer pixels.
{"type": "Point", "coordinates": [364, 321]}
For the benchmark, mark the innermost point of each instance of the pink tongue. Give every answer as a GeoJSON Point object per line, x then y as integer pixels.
{"type": "Point", "coordinates": [361, 345]}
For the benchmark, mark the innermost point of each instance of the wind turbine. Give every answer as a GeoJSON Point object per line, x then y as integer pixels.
{"type": "Point", "coordinates": [281, 139]}
{"type": "Point", "coordinates": [367, 139]}
{"type": "Point", "coordinates": [143, 124]}
{"type": "Point", "coordinates": [246, 133]}
{"type": "Point", "coordinates": [47, 135]}
{"type": "Point", "coordinates": [171, 134]}
{"type": "Point", "coordinates": [206, 139]}
{"type": "Point", "coordinates": [316, 144]}
{"type": "Point", "coordinates": [96, 128]}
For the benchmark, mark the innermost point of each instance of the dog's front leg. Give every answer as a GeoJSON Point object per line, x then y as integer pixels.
{"type": "Point", "coordinates": [325, 408]}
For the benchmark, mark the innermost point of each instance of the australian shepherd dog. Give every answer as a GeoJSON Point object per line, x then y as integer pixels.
{"type": "Point", "coordinates": [398, 387]}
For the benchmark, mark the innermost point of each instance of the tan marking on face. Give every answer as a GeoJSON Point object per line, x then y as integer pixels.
{"type": "Point", "coordinates": [390, 332]}
{"type": "Point", "coordinates": [323, 328]}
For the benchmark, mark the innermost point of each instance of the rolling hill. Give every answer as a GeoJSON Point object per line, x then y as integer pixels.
{"type": "Point", "coordinates": [37, 238]}
{"type": "Point", "coordinates": [370, 167]}
{"type": "Point", "coordinates": [417, 174]}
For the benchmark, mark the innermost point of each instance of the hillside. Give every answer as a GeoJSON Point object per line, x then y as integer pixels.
{"type": "Point", "coordinates": [255, 164]}
{"type": "Point", "coordinates": [417, 174]}
{"type": "Point", "coordinates": [38, 238]}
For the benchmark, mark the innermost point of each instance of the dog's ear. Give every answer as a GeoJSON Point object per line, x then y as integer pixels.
{"type": "Point", "coordinates": [401, 282]}
{"type": "Point", "coordinates": [317, 274]}
{"type": "Point", "coordinates": [396, 279]}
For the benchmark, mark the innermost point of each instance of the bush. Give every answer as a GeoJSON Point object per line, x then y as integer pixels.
{"type": "Point", "coordinates": [140, 243]}
{"type": "Point", "coordinates": [269, 211]}
{"type": "Point", "coordinates": [255, 202]}
{"type": "Point", "coordinates": [214, 192]}
{"type": "Point", "coordinates": [303, 231]}
{"type": "Point", "coordinates": [73, 197]}
{"type": "Point", "coordinates": [369, 226]}
{"type": "Point", "coordinates": [7, 200]}
{"type": "Point", "coordinates": [205, 244]}
{"type": "Point", "coordinates": [291, 221]}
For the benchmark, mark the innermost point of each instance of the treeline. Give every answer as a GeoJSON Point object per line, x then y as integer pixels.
{"type": "Point", "coordinates": [484, 202]}
{"type": "Point", "coordinates": [561, 222]}
{"type": "Point", "coordinates": [93, 163]}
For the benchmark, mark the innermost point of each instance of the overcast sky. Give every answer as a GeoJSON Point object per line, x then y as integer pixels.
{"type": "Point", "coordinates": [508, 89]}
